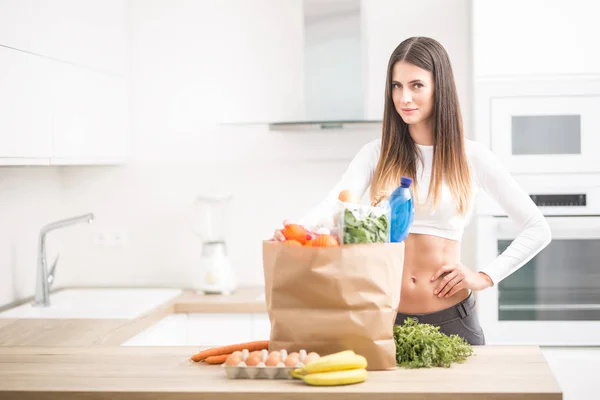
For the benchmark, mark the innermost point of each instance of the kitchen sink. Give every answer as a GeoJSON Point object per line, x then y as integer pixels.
{"type": "Point", "coordinates": [92, 303]}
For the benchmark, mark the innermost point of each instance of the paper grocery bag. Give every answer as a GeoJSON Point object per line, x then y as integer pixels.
{"type": "Point", "coordinates": [330, 299]}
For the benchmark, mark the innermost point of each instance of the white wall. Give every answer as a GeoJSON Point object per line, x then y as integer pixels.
{"type": "Point", "coordinates": [536, 37]}
{"type": "Point", "coordinates": [29, 198]}
{"type": "Point", "coordinates": [178, 152]}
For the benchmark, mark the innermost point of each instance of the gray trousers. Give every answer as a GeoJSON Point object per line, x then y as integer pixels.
{"type": "Point", "coordinates": [460, 319]}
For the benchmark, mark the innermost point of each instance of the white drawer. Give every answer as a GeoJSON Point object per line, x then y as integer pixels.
{"type": "Point", "coordinates": [218, 329]}
{"type": "Point", "coordinates": [169, 331]}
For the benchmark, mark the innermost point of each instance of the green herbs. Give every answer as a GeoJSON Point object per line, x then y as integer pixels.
{"type": "Point", "coordinates": [424, 346]}
{"type": "Point", "coordinates": [370, 228]}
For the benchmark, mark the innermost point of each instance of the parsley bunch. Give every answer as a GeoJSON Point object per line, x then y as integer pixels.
{"type": "Point", "coordinates": [424, 346]}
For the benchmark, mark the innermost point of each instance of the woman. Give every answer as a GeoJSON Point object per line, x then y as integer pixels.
{"type": "Point", "coordinates": [423, 139]}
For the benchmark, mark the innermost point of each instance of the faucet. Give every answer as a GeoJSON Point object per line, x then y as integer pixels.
{"type": "Point", "coordinates": [44, 278]}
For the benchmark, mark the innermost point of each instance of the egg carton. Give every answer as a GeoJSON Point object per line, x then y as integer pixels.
{"type": "Point", "coordinates": [262, 371]}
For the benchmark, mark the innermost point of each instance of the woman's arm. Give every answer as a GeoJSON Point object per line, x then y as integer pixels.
{"type": "Point", "coordinates": [534, 235]}
{"type": "Point", "coordinates": [356, 178]}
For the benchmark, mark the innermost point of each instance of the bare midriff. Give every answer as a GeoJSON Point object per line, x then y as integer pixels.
{"type": "Point", "coordinates": [423, 256]}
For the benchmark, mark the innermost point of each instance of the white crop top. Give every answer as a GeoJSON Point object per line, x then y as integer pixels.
{"type": "Point", "coordinates": [487, 173]}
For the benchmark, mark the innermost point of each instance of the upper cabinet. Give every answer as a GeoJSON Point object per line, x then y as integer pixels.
{"type": "Point", "coordinates": [91, 117]}
{"type": "Point", "coordinates": [90, 33]}
{"type": "Point", "coordinates": [64, 82]}
{"type": "Point", "coordinates": [25, 108]}
{"type": "Point", "coordinates": [536, 37]}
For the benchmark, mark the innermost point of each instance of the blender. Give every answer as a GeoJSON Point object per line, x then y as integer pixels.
{"type": "Point", "coordinates": [215, 273]}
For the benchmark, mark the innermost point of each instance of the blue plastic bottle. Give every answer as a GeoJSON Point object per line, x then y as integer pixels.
{"type": "Point", "coordinates": [402, 211]}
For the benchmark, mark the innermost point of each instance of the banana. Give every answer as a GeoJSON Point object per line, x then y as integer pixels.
{"type": "Point", "coordinates": [296, 373]}
{"type": "Point", "coordinates": [335, 378]}
{"type": "Point", "coordinates": [341, 361]}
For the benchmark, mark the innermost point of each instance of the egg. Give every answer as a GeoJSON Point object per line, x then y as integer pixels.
{"type": "Point", "coordinates": [292, 359]}
{"type": "Point", "coordinates": [253, 360]}
{"type": "Point", "coordinates": [234, 359]}
{"type": "Point", "coordinates": [273, 359]}
{"type": "Point", "coordinates": [310, 357]}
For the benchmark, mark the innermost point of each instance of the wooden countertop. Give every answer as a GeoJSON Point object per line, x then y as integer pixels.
{"type": "Point", "coordinates": [113, 332]}
{"type": "Point", "coordinates": [244, 300]}
{"type": "Point", "coordinates": [493, 372]}
{"type": "Point", "coordinates": [81, 358]}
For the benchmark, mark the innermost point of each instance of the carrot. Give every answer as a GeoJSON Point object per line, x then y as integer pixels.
{"type": "Point", "coordinates": [220, 359]}
{"type": "Point", "coordinates": [217, 351]}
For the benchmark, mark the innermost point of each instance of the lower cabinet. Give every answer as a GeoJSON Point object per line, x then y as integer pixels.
{"type": "Point", "coordinates": [218, 329]}
{"type": "Point", "coordinates": [576, 370]}
{"type": "Point", "coordinates": [204, 329]}
{"type": "Point", "coordinates": [261, 326]}
{"type": "Point", "coordinates": [169, 331]}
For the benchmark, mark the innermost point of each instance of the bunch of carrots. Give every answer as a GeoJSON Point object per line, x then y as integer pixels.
{"type": "Point", "coordinates": [218, 355]}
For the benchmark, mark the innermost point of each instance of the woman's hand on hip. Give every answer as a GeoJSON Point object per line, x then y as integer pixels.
{"type": "Point", "coordinates": [455, 277]}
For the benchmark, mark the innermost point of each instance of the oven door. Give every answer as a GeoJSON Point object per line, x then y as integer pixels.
{"type": "Point", "coordinates": [554, 299]}
{"type": "Point", "coordinates": [547, 134]}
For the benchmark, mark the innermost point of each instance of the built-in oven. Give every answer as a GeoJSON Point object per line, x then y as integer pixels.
{"type": "Point", "coordinates": [554, 298]}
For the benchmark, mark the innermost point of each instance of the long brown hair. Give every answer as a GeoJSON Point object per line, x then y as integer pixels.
{"type": "Point", "coordinates": [399, 153]}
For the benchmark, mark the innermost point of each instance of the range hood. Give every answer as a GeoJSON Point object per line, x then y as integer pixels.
{"type": "Point", "coordinates": [334, 95]}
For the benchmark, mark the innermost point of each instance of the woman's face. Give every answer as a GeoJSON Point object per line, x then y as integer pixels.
{"type": "Point", "coordinates": [412, 92]}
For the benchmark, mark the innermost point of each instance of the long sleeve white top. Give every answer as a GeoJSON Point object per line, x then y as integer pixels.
{"type": "Point", "coordinates": [487, 173]}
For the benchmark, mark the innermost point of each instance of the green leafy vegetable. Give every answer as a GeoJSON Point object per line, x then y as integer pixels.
{"type": "Point", "coordinates": [372, 228]}
{"type": "Point", "coordinates": [424, 346]}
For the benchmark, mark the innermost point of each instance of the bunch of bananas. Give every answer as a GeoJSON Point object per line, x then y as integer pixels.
{"type": "Point", "coordinates": [343, 368]}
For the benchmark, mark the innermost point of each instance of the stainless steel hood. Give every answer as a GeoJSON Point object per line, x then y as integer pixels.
{"type": "Point", "coordinates": [333, 68]}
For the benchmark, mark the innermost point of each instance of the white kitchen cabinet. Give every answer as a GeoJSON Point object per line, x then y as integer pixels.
{"type": "Point", "coordinates": [169, 331]}
{"type": "Point", "coordinates": [91, 117]}
{"type": "Point", "coordinates": [25, 112]}
{"type": "Point", "coordinates": [207, 329]}
{"type": "Point", "coordinates": [90, 33]}
{"type": "Point", "coordinates": [204, 329]}
{"type": "Point", "coordinates": [535, 37]}
{"type": "Point", "coordinates": [576, 370]}
{"type": "Point", "coordinates": [261, 326]}
{"type": "Point", "coordinates": [54, 113]}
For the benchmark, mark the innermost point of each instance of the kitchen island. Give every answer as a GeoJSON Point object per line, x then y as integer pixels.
{"type": "Point", "coordinates": [144, 373]}
{"type": "Point", "coordinates": [83, 359]}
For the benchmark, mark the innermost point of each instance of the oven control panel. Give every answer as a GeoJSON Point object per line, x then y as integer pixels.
{"type": "Point", "coordinates": [559, 200]}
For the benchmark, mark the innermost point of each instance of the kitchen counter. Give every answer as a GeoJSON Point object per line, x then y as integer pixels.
{"type": "Point", "coordinates": [82, 358]}
{"type": "Point", "coordinates": [113, 332]}
{"type": "Point", "coordinates": [498, 372]}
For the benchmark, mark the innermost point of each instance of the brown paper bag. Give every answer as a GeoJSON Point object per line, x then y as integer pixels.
{"type": "Point", "coordinates": [330, 299]}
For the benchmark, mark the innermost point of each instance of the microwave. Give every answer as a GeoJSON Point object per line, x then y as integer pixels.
{"type": "Point", "coordinates": [543, 125]}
